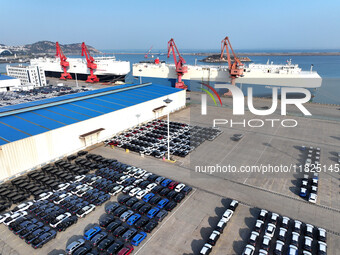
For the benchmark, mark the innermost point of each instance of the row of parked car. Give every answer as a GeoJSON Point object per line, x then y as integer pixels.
{"type": "Point", "coordinates": [292, 236]}
{"type": "Point", "coordinates": [151, 138]}
{"type": "Point", "coordinates": [216, 233]}
{"type": "Point", "coordinates": [312, 156]}
{"type": "Point", "coordinates": [309, 187]}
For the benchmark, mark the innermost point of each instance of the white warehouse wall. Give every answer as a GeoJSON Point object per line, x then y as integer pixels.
{"type": "Point", "coordinates": [32, 152]}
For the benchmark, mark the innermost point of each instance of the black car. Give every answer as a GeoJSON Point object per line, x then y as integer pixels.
{"type": "Point", "coordinates": [152, 177]}
{"type": "Point", "coordinates": [170, 206]}
{"type": "Point", "coordinates": [144, 209]}
{"type": "Point", "coordinates": [110, 208]}
{"type": "Point", "coordinates": [115, 247]}
{"type": "Point", "coordinates": [129, 234]}
{"type": "Point", "coordinates": [186, 190]}
{"type": "Point", "coordinates": [137, 206]}
{"type": "Point", "coordinates": [155, 200]}
{"type": "Point", "coordinates": [123, 199]}
{"type": "Point", "coordinates": [131, 201]}
{"type": "Point", "coordinates": [113, 225]}
{"type": "Point", "coordinates": [171, 194]}
{"type": "Point", "coordinates": [161, 215]}
{"type": "Point", "coordinates": [35, 234]}
{"type": "Point", "coordinates": [67, 223]}
{"type": "Point", "coordinates": [119, 211]}
{"type": "Point", "coordinates": [21, 226]}
{"type": "Point", "coordinates": [157, 189]}
{"type": "Point", "coordinates": [142, 222]}
{"type": "Point", "coordinates": [144, 184]}
{"type": "Point", "coordinates": [120, 231]}
{"type": "Point", "coordinates": [17, 222]}
{"type": "Point", "coordinates": [30, 228]}
{"type": "Point", "coordinates": [97, 238]}
{"type": "Point", "coordinates": [179, 197]}
{"type": "Point", "coordinates": [164, 192]}
{"type": "Point", "coordinates": [105, 243]}
{"type": "Point", "coordinates": [150, 226]}
{"type": "Point", "coordinates": [106, 220]}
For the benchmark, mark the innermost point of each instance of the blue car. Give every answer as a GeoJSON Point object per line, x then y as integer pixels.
{"type": "Point", "coordinates": [91, 232]}
{"type": "Point", "coordinates": [303, 192]}
{"type": "Point", "coordinates": [152, 212]}
{"type": "Point", "coordinates": [147, 197]}
{"type": "Point", "coordinates": [162, 203]}
{"type": "Point", "coordinates": [166, 182]}
{"type": "Point", "coordinates": [138, 238]}
{"type": "Point", "coordinates": [133, 219]}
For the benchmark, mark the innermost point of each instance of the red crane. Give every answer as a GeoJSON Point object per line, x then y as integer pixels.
{"type": "Point", "coordinates": [90, 64]}
{"type": "Point", "coordinates": [235, 66]}
{"type": "Point", "coordinates": [147, 54]}
{"type": "Point", "coordinates": [180, 68]}
{"type": "Point", "coordinates": [64, 64]}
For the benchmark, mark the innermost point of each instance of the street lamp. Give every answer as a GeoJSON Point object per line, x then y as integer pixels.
{"type": "Point", "coordinates": [168, 101]}
{"type": "Point", "coordinates": [137, 116]}
{"type": "Point", "coordinates": [76, 76]}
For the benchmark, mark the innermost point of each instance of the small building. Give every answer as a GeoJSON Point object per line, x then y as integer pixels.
{"type": "Point", "coordinates": [8, 83]}
{"type": "Point", "coordinates": [32, 74]}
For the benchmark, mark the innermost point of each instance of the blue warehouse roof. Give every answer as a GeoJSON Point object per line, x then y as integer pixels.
{"type": "Point", "coordinates": [5, 77]}
{"type": "Point", "coordinates": [24, 120]}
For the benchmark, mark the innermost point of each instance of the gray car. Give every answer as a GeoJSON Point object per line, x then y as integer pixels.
{"type": "Point", "coordinates": [126, 215]}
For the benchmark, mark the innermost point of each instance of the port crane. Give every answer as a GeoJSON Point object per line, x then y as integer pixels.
{"type": "Point", "coordinates": [90, 64]}
{"type": "Point", "coordinates": [179, 64]}
{"type": "Point", "coordinates": [235, 66]}
{"type": "Point", "coordinates": [63, 63]}
{"type": "Point", "coordinates": [147, 54]}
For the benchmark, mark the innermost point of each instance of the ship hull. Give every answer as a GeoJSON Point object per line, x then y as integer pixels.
{"type": "Point", "coordinates": [83, 77]}
{"type": "Point", "coordinates": [196, 85]}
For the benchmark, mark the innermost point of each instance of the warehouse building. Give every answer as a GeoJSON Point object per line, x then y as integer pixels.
{"type": "Point", "coordinates": [35, 133]}
{"type": "Point", "coordinates": [8, 83]}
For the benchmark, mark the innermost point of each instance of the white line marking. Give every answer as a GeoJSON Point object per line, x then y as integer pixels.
{"type": "Point", "coordinates": [165, 222]}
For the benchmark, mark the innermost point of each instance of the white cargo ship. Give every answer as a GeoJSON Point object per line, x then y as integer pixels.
{"type": "Point", "coordinates": [259, 76]}
{"type": "Point", "coordinates": [108, 68]}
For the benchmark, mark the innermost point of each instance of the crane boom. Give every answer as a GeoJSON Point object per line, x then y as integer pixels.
{"type": "Point", "coordinates": [147, 54]}
{"type": "Point", "coordinates": [90, 64]}
{"type": "Point", "coordinates": [179, 64]}
{"type": "Point", "coordinates": [63, 63]}
{"type": "Point", "coordinates": [235, 66]}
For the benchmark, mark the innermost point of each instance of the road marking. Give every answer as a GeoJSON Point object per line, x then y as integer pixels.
{"type": "Point", "coordinates": [165, 222]}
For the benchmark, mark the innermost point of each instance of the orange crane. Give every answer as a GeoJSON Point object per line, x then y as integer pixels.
{"type": "Point", "coordinates": [235, 66]}
{"type": "Point", "coordinates": [63, 63]}
{"type": "Point", "coordinates": [179, 64]}
{"type": "Point", "coordinates": [90, 64]}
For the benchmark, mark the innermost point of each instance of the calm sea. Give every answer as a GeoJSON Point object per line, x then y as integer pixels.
{"type": "Point", "coordinates": [328, 68]}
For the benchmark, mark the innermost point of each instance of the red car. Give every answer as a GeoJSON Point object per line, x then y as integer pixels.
{"type": "Point", "coordinates": [127, 249]}
{"type": "Point", "coordinates": [172, 185]}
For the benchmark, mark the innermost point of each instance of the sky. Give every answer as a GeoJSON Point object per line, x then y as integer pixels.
{"type": "Point", "coordinates": [194, 24]}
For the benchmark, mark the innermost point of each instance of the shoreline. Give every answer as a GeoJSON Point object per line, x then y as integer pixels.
{"type": "Point", "coordinates": [245, 53]}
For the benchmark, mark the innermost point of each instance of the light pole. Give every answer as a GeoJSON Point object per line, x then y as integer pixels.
{"type": "Point", "coordinates": [168, 101]}
{"type": "Point", "coordinates": [76, 76]}
{"type": "Point", "coordinates": [137, 116]}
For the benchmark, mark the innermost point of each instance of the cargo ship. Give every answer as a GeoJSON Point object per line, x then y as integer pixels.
{"type": "Point", "coordinates": [108, 68]}
{"type": "Point", "coordinates": [259, 76]}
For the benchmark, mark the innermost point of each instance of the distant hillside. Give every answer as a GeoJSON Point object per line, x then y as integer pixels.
{"type": "Point", "coordinates": [48, 47]}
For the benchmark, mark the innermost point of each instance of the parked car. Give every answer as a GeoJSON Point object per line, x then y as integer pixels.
{"type": "Point", "coordinates": [270, 230]}
{"type": "Point", "coordinates": [97, 238]}
{"type": "Point", "coordinates": [91, 232]}
{"type": "Point", "coordinates": [253, 238]}
{"type": "Point", "coordinates": [86, 210]}
{"type": "Point", "coordinates": [206, 249]}
{"type": "Point", "coordinates": [228, 214]}
{"type": "Point", "coordinates": [263, 215]}
{"type": "Point", "coordinates": [44, 238]}
{"type": "Point", "coordinates": [248, 250]}
{"type": "Point", "coordinates": [213, 238]}
{"type": "Point", "coordinates": [74, 245]}
{"type": "Point", "coordinates": [279, 247]}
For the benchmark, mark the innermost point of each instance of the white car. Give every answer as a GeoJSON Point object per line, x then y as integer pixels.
{"type": "Point", "coordinates": [274, 217]}
{"type": "Point", "coordinates": [279, 247]}
{"type": "Point", "coordinates": [282, 234]}
{"type": "Point", "coordinates": [61, 198]}
{"type": "Point", "coordinates": [322, 234]}
{"type": "Point", "coordinates": [78, 188]}
{"type": "Point", "coordinates": [295, 238]}
{"type": "Point", "coordinates": [94, 179]}
{"type": "Point", "coordinates": [309, 230]}
{"type": "Point", "coordinates": [270, 230]}
{"type": "Point", "coordinates": [263, 214]}
{"type": "Point", "coordinates": [322, 247]}
{"type": "Point", "coordinates": [179, 187]}
{"type": "Point", "coordinates": [133, 171]}
{"type": "Point", "coordinates": [314, 189]}
{"type": "Point", "coordinates": [312, 198]}
{"type": "Point", "coordinates": [227, 214]}
{"type": "Point", "coordinates": [248, 250]}
{"type": "Point", "coordinates": [263, 252]}
{"type": "Point", "coordinates": [55, 222]}
{"type": "Point", "coordinates": [146, 176]}
{"type": "Point", "coordinates": [122, 179]}
{"type": "Point", "coordinates": [306, 253]}
{"type": "Point", "coordinates": [22, 207]}
{"type": "Point", "coordinates": [258, 225]}
{"type": "Point", "coordinates": [297, 226]}
{"type": "Point", "coordinates": [266, 242]}
{"type": "Point", "coordinates": [151, 186]}
{"type": "Point", "coordinates": [253, 237]}
{"type": "Point", "coordinates": [43, 196]}
{"type": "Point", "coordinates": [116, 190]}
{"type": "Point", "coordinates": [136, 182]}
{"type": "Point", "coordinates": [293, 250]}
{"type": "Point", "coordinates": [206, 249]}
{"type": "Point", "coordinates": [134, 191]}
{"type": "Point", "coordinates": [141, 194]}
{"type": "Point", "coordinates": [14, 217]}
{"type": "Point", "coordinates": [127, 189]}
{"type": "Point", "coordinates": [285, 222]}
{"type": "Point", "coordinates": [83, 191]}
{"type": "Point", "coordinates": [4, 216]}
{"type": "Point", "coordinates": [308, 243]}
{"type": "Point", "coordinates": [62, 187]}
{"type": "Point", "coordinates": [139, 173]}
{"type": "Point", "coordinates": [86, 210]}
{"type": "Point", "coordinates": [79, 178]}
